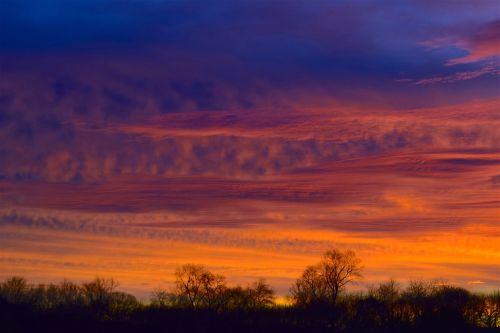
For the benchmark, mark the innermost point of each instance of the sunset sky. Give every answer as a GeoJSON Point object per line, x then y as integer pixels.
{"type": "Point", "coordinates": [251, 137]}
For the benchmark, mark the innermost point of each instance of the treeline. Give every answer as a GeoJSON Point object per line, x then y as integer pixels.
{"type": "Point", "coordinates": [201, 301]}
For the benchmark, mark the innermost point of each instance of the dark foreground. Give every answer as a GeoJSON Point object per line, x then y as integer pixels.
{"type": "Point", "coordinates": [98, 307]}
{"type": "Point", "coordinates": [368, 316]}
{"type": "Point", "coordinates": [25, 319]}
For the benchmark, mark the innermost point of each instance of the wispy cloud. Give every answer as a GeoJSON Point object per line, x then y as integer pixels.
{"type": "Point", "coordinates": [492, 70]}
{"type": "Point", "coordinates": [482, 44]}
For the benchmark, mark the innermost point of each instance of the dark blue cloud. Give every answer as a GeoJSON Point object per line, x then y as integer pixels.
{"type": "Point", "coordinates": [35, 25]}
{"type": "Point", "coordinates": [271, 37]}
{"type": "Point", "coordinates": [62, 87]}
{"type": "Point", "coordinates": [5, 116]}
{"type": "Point", "coordinates": [117, 104]}
{"type": "Point", "coordinates": [212, 55]}
{"type": "Point", "coordinates": [471, 162]}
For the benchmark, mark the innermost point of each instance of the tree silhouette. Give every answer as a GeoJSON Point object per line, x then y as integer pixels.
{"type": "Point", "coordinates": [260, 294]}
{"type": "Point", "coordinates": [387, 292]}
{"type": "Point", "coordinates": [310, 288]}
{"type": "Point", "coordinates": [202, 302]}
{"type": "Point", "coordinates": [339, 268]}
{"type": "Point", "coordinates": [98, 295]}
{"type": "Point", "coordinates": [416, 298]}
{"type": "Point", "coordinates": [200, 287]}
{"type": "Point", "coordinates": [326, 280]}
{"type": "Point", "coordinates": [162, 299]}
{"type": "Point", "coordinates": [197, 287]}
{"type": "Point", "coordinates": [390, 308]}
{"type": "Point", "coordinates": [14, 290]}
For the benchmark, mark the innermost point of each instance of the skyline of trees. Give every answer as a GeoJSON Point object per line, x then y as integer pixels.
{"type": "Point", "coordinates": [319, 301]}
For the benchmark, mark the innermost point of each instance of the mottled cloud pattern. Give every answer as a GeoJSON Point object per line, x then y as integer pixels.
{"type": "Point", "coordinates": [250, 136]}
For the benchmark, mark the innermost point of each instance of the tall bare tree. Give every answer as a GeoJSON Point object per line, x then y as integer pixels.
{"type": "Point", "coordinates": [326, 280]}
{"type": "Point", "coordinates": [339, 268]}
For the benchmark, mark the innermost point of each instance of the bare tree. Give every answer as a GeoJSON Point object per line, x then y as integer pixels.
{"type": "Point", "coordinates": [339, 268]}
{"type": "Point", "coordinates": [162, 298]}
{"type": "Point", "coordinates": [98, 295]}
{"type": "Point", "coordinates": [122, 305]}
{"type": "Point", "coordinates": [390, 307]}
{"type": "Point", "coordinates": [99, 289]}
{"type": "Point", "coordinates": [69, 293]}
{"type": "Point", "coordinates": [213, 290]}
{"type": "Point", "coordinates": [200, 287]}
{"type": "Point", "coordinates": [310, 288]}
{"type": "Point", "coordinates": [188, 282]}
{"type": "Point", "coordinates": [326, 280]}
{"type": "Point", "coordinates": [14, 290]}
{"type": "Point", "coordinates": [260, 294]}
{"type": "Point", "coordinates": [387, 292]}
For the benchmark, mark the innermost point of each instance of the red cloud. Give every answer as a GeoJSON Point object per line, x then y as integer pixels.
{"type": "Point", "coordinates": [485, 43]}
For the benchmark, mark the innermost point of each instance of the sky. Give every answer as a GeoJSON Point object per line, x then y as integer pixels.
{"type": "Point", "coordinates": [250, 137]}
